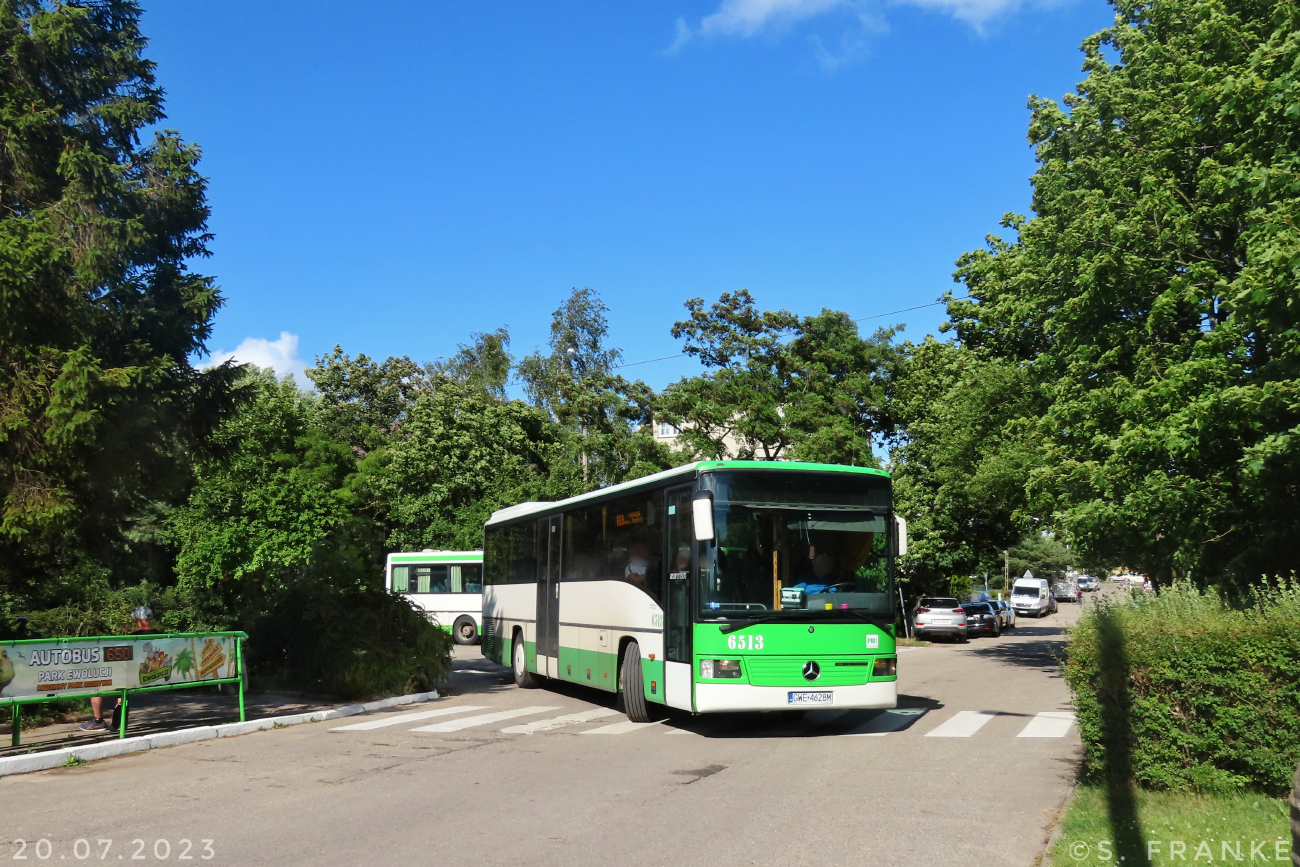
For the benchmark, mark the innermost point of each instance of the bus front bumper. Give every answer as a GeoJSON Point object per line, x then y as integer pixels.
{"type": "Point", "coordinates": [723, 697]}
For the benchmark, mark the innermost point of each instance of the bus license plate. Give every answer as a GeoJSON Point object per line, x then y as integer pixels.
{"type": "Point", "coordinates": [810, 697]}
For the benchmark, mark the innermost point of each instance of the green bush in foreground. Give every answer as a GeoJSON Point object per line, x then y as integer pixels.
{"type": "Point", "coordinates": [1208, 695]}
{"type": "Point", "coordinates": [352, 643]}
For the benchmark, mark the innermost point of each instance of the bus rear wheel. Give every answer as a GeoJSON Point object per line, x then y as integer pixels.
{"type": "Point", "coordinates": [631, 684]}
{"type": "Point", "coordinates": [465, 630]}
{"type": "Point", "coordinates": [524, 679]}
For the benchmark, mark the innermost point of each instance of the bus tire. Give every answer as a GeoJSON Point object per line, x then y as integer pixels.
{"type": "Point", "coordinates": [464, 630]}
{"type": "Point", "coordinates": [524, 679]}
{"type": "Point", "coordinates": [632, 686]}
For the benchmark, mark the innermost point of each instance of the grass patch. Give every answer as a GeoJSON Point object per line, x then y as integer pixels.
{"type": "Point", "coordinates": [1214, 826]}
{"type": "Point", "coordinates": [73, 762]}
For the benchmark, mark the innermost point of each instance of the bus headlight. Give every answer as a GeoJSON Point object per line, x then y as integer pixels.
{"type": "Point", "coordinates": [719, 668]}
{"type": "Point", "coordinates": [885, 667]}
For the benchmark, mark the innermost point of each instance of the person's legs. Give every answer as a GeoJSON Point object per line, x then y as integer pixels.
{"type": "Point", "coordinates": [97, 711]}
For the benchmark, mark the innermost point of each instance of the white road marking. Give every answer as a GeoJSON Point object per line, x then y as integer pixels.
{"type": "Point", "coordinates": [1049, 724]}
{"type": "Point", "coordinates": [887, 722]}
{"type": "Point", "coordinates": [545, 725]}
{"type": "Point", "coordinates": [963, 725]}
{"type": "Point", "coordinates": [406, 717]}
{"type": "Point", "coordinates": [620, 728]}
{"type": "Point", "coordinates": [456, 725]}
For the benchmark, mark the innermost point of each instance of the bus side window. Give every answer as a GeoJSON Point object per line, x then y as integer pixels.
{"type": "Point", "coordinates": [471, 576]}
{"type": "Point", "coordinates": [439, 579]}
{"type": "Point", "coordinates": [400, 579]}
{"type": "Point", "coordinates": [584, 544]}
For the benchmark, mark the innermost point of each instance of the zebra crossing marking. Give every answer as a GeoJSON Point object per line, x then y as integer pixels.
{"type": "Point", "coordinates": [546, 725]}
{"type": "Point", "coordinates": [963, 725]}
{"type": "Point", "coordinates": [887, 722]}
{"type": "Point", "coordinates": [1048, 724]}
{"type": "Point", "coordinates": [619, 728]}
{"type": "Point", "coordinates": [456, 725]}
{"type": "Point", "coordinates": [370, 725]}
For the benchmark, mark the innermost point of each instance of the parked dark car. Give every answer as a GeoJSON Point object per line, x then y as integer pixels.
{"type": "Point", "coordinates": [981, 619]}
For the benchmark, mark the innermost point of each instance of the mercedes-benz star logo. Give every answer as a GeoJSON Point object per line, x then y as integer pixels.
{"type": "Point", "coordinates": [811, 670]}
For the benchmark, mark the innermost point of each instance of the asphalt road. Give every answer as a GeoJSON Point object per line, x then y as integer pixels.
{"type": "Point", "coordinates": [558, 777]}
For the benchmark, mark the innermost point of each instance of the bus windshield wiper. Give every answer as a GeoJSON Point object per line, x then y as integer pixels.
{"type": "Point", "coordinates": [741, 624]}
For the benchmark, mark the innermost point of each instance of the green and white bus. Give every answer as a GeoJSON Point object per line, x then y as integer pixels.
{"type": "Point", "coordinates": [447, 585]}
{"type": "Point", "coordinates": [715, 586]}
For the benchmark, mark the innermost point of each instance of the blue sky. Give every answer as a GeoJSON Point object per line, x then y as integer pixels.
{"type": "Point", "coordinates": [392, 177]}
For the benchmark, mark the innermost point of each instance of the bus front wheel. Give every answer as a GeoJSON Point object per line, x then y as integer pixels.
{"type": "Point", "coordinates": [631, 684]}
{"type": "Point", "coordinates": [465, 630]}
{"type": "Point", "coordinates": [524, 679]}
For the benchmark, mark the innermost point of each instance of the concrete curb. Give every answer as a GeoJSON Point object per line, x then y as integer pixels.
{"type": "Point", "coordinates": [106, 749]}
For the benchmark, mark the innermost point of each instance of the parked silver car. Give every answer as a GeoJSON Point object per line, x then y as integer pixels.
{"type": "Point", "coordinates": [939, 615]}
{"type": "Point", "coordinates": [1006, 614]}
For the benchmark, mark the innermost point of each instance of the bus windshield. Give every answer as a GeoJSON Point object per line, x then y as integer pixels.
{"type": "Point", "coordinates": [788, 545]}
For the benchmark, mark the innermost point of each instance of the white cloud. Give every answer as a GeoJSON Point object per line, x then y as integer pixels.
{"type": "Point", "coordinates": [282, 355]}
{"type": "Point", "coordinates": [747, 18]}
{"type": "Point", "coordinates": [744, 18]}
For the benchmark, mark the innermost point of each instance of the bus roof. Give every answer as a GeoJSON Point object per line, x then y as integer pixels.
{"type": "Point", "coordinates": [522, 509]}
{"type": "Point", "coordinates": [431, 556]}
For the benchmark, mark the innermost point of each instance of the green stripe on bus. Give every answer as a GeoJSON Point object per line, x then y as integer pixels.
{"type": "Point", "coordinates": [430, 558]}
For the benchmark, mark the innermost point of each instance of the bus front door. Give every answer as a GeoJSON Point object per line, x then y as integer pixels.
{"type": "Point", "coordinates": [548, 596]}
{"type": "Point", "coordinates": [677, 601]}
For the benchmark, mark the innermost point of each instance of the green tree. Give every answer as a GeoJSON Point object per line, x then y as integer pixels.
{"type": "Point", "coordinates": [607, 416]}
{"type": "Point", "coordinates": [277, 539]}
{"type": "Point", "coordinates": [273, 492]}
{"type": "Point", "coordinates": [464, 455]}
{"type": "Point", "coordinates": [779, 386]}
{"type": "Point", "coordinates": [99, 404]}
{"type": "Point", "coordinates": [483, 364]}
{"type": "Point", "coordinates": [362, 401]}
{"type": "Point", "coordinates": [1153, 292]}
{"type": "Point", "coordinates": [1043, 553]}
{"type": "Point", "coordinates": [961, 458]}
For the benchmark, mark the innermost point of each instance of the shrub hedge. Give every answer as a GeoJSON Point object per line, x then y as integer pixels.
{"type": "Point", "coordinates": [1208, 695]}
{"type": "Point", "coordinates": [355, 642]}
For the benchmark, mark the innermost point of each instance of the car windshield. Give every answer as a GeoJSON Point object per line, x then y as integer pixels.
{"type": "Point", "coordinates": [797, 545]}
{"type": "Point", "coordinates": [1024, 591]}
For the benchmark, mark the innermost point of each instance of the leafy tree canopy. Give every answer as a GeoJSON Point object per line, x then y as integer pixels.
{"type": "Point", "coordinates": [779, 386]}
{"type": "Point", "coordinates": [606, 415]}
{"type": "Point", "coordinates": [1153, 294]}
{"type": "Point", "coordinates": [961, 458]}
{"type": "Point", "coordinates": [98, 401]}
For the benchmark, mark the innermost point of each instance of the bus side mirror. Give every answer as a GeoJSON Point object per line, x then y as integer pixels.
{"type": "Point", "coordinates": [702, 515]}
{"type": "Point", "coordinates": [900, 525]}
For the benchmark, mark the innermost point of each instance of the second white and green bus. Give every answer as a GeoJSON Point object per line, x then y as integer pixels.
{"type": "Point", "coordinates": [447, 585]}
{"type": "Point", "coordinates": [715, 586]}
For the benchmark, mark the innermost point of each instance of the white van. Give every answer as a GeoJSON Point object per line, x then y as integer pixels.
{"type": "Point", "coordinates": [448, 585]}
{"type": "Point", "coordinates": [1032, 596]}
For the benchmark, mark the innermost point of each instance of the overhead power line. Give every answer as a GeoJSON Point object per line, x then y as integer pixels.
{"type": "Point", "coordinates": [860, 319]}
